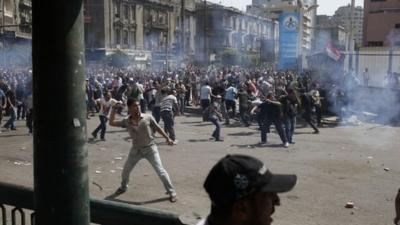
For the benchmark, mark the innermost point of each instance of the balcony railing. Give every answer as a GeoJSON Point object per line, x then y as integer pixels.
{"type": "Point", "coordinates": [20, 200]}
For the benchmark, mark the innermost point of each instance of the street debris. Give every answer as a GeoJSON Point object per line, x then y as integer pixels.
{"type": "Point", "coordinates": [386, 169]}
{"type": "Point", "coordinates": [21, 163]}
{"type": "Point", "coordinates": [98, 171]}
{"type": "Point", "coordinates": [98, 185]}
{"type": "Point", "coordinates": [118, 158]}
{"type": "Point", "coordinates": [349, 205]}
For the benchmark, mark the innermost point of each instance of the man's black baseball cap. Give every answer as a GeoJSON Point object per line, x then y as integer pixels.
{"type": "Point", "coordinates": [237, 176]}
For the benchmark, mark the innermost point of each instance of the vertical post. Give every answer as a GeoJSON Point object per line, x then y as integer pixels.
{"type": "Point", "coordinates": [357, 62]}
{"type": "Point", "coordinates": [300, 40]}
{"type": "Point", "coordinates": [390, 69]}
{"type": "Point", "coordinates": [2, 33]}
{"type": "Point", "coordinates": [351, 35]}
{"type": "Point", "coordinates": [60, 155]}
{"type": "Point", "coordinates": [183, 30]}
{"type": "Point", "coordinates": [205, 34]}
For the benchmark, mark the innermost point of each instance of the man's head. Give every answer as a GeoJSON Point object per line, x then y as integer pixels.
{"type": "Point", "coordinates": [243, 191]}
{"type": "Point", "coordinates": [107, 95]}
{"type": "Point", "coordinates": [133, 106]}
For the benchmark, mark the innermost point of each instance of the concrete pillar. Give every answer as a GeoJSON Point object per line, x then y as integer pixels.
{"type": "Point", "coordinates": [60, 154]}
{"type": "Point", "coordinates": [139, 27]}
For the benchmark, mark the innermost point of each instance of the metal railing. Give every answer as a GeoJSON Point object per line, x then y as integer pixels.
{"type": "Point", "coordinates": [104, 212]}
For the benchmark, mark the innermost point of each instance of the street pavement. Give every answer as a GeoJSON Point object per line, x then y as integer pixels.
{"type": "Point", "coordinates": [342, 164]}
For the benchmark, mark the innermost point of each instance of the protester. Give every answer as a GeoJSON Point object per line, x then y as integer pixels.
{"type": "Point", "coordinates": [215, 116]}
{"type": "Point", "coordinates": [169, 108]}
{"type": "Point", "coordinates": [2, 104]}
{"type": "Point", "coordinates": [243, 191]}
{"type": "Point", "coordinates": [141, 129]}
{"type": "Point", "coordinates": [105, 103]}
{"type": "Point", "coordinates": [270, 113]}
{"type": "Point", "coordinates": [205, 98]}
{"type": "Point", "coordinates": [290, 103]}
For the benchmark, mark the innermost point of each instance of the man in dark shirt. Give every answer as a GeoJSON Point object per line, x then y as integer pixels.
{"type": "Point", "coordinates": [289, 111]}
{"type": "Point", "coordinates": [270, 113]}
{"type": "Point", "coordinates": [307, 105]}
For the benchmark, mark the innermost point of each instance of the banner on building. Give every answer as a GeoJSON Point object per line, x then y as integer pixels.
{"type": "Point", "coordinates": [288, 40]}
{"type": "Point", "coordinates": [332, 52]}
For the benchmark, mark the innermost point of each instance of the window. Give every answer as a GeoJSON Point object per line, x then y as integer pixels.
{"type": "Point", "coordinates": [126, 12]}
{"type": "Point", "coordinates": [397, 26]}
{"type": "Point", "coordinates": [126, 37]}
{"type": "Point", "coordinates": [117, 36]}
{"type": "Point", "coordinates": [133, 13]}
{"type": "Point", "coordinates": [117, 11]}
{"type": "Point", "coordinates": [375, 43]}
{"type": "Point", "coordinates": [133, 39]}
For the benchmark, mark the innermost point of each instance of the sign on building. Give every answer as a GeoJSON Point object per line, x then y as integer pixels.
{"type": "Point", "coordinates": [288, 40]}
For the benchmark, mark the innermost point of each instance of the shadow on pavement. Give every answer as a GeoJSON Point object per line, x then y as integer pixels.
{"type": "Point", "coordinates": [243, 133]}
{"type": "Point", "coordinates": [252, 146]}
{"type": "Point", "coordinates": [114, 195]}
{"type": "Point", "coordinates": [3, 135]}
{"type": "Point", "coordinates": [200, 140]}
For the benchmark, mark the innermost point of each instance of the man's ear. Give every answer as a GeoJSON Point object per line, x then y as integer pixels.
{"type": "Point", "coordinates": [241, 210]}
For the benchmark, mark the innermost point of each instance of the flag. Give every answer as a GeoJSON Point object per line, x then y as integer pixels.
{"type": "Point", "coordinates": [333, 52]}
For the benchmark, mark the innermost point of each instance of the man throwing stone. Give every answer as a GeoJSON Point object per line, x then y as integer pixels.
{"type": "Point", "coordinates": [141, 128]}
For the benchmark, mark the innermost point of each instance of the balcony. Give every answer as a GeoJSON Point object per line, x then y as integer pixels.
{"type": "Point", "coordinates": [25, 3]}
{"type": "Point", "coordinates": [156, 25]}
{"type": "Point", "coordinates": [20, 199]}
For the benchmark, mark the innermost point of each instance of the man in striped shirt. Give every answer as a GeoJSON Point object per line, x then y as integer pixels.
{"type": "Point", "coordinates": [169, 108]}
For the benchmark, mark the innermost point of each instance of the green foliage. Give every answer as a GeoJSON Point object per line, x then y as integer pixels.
{"type": "Point", "coordinates": [230, 57]}
{"type": "Point", "coordinates": [118, 59]}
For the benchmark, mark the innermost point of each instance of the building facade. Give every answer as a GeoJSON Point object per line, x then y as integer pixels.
{"type": "Point", "coordinates": [16, 31]}
{"type": "Point", "coordinates": [307, 13]}
{"type": "Point", "coordinates": [343, 17]}
{"type": "Point", "coordinates": [151, 31]}
{"type": "Point", "coordinates": [381, 23]}
{"type": "Point", "coordinates": [329, 31]}
{"type": "Point", "coordinates": [226, 30]}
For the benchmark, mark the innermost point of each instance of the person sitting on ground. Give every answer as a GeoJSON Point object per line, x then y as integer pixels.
{"type": "Point", "coordinates": [243, 191]}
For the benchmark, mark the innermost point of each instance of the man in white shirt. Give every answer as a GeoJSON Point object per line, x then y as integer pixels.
{"type": "Point", "coordinates": [105, 105]}
{"type": "Point", "coordinates": [205, 98]}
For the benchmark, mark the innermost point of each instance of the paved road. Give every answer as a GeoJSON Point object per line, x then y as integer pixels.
{"type": "Point", "coordinates": [344, 163]}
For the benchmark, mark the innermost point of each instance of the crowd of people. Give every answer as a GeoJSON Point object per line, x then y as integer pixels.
{"type": "Point", "coordinates": [262, 96]}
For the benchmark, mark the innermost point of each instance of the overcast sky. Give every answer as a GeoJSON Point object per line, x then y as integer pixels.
{"type": "Point", "coordinates": [326, 7]}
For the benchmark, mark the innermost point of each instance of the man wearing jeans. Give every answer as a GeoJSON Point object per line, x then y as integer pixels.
{"type": "Point", "coordinates": [141, 128]}
{"type": "Point", "coordinates": [168, 108]}
{"type": "Point", "coordinates": [289, 111]}
{"type": "Point", "coordinates": [106, 103]}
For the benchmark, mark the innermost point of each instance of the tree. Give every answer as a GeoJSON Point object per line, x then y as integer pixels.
{"type": "Point", "coordinates": [230, 57]}
{"type": "Point", "coordinates": [118, 59]}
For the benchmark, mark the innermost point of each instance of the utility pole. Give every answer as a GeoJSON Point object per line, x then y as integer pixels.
{"type": "Point", "coordinates": [205, 33]}
{"type": "Point", "coordinates": [300, 38]}
{"type": "Point", "coordinates": [183, 30]}
{"type": "Point", "coordinates": [351, 35]}
{"type": "Point", "coordinates": [2, 33]}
